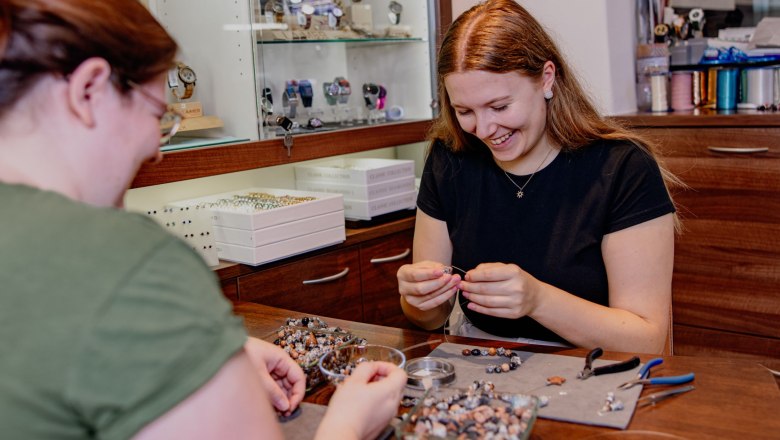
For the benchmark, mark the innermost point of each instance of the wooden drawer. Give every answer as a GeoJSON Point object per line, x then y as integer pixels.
{"type": "Point", "coordinates": [693, 141]}
{"type": "Point", "coordinates": [726, 285]}
{"type": "Point", "coordinates": [379, 262]}
{"type": "Point", "coordinates": [327, 285]}
{"type": "Point", "coordinates": [706, 342]}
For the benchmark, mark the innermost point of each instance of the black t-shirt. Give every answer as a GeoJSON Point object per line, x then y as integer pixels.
{"type": "Point", "coordinates": [555, 231]}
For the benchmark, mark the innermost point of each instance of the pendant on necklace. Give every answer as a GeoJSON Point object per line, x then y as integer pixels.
{"type": "Point", "coordinates": [520, 194]}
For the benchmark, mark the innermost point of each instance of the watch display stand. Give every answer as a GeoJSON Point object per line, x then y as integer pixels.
{"type": "Point", "coordinates": [188, 109]}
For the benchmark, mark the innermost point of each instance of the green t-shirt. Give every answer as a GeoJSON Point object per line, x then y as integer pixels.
{"type": "Point", "coordinates": [106, 320]}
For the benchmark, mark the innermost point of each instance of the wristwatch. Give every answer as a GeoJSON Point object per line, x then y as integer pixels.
{"type": "Point", "coordinates": [331, 90]}
{"type": "Point", "coordinates": [267, 101]}
{"type": "Point", "coordinates": [344, 89]}
{"type": "Point", "coordinates": [370, 95]}
{"type": "Point", "coordinates": [278, 8]}
{"type": "Point", "coordinates": [306, 91]}
{"type": "Point", "coordinates": [304, 15]}
{"type": "Point", "coordinates": [290, 97]}
{"type": "Point", "coordinates": [182, 74]}
{"type": "Point", "coordinates": [334, 18]}
{"type": "Point", "coordinates": [395, 12]}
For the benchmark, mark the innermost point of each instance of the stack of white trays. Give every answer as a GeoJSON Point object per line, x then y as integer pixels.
{"type": "Point", "coordinates": [251, 235]}
{"type": "Point", "coordinates": [370, 187]}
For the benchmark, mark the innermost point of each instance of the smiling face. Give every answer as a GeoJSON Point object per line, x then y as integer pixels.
{"type": "Point", "coordinates": [507, 111]}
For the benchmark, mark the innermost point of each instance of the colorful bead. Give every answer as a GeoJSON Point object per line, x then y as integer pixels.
{"type": "Point", "coordinates": [556, 380]}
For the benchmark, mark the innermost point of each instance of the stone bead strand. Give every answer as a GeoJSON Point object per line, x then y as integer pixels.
{"type": "Point", "coordinates": [505, 367]}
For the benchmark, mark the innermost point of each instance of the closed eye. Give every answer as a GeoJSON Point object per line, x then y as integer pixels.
{"type": "Point", "coordinates": [500, 108]}
{"type": "Point", "coordinates": [462, 112]}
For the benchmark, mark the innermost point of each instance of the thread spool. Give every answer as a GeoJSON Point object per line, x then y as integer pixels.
{"type": "Point", "coordinates": [682, 91]}
{"type": "Point", "coordinates": [760, 87]}
{"type": "Point", "coordinates": [658, 91]}
{"type": "Point", "coordinates": [727, 89]}
{"type": "Point", "coordinates": [712, 87]}
{"type": "Point", "coordinates": [776, 76]}
{"type": "Point", "coordinates": [698, 96]}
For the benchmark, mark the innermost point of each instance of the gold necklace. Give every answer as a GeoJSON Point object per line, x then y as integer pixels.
{"type": "Point", "coordinates": [520, 189]}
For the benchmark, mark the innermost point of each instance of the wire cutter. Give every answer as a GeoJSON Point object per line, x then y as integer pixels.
{"type": "Point", "coordinates": [617, 367]}
{"type": "Point", "coordinates": [644, 372]}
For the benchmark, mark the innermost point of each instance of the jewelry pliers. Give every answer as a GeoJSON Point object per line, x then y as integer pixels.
{"type": "Point", "coordinates": [644, 372]}
{"type": "Point", "coordinates": [617, 367]}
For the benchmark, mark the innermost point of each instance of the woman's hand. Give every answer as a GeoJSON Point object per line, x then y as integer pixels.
{"type": "Point", "coordinates": [282, 378]}
{"type": "Point", "coordinates": [364, 403]}
{"type": "Point", "coordinates": [425, 286]}
{"type": "Point", "coordinates": [501, 290]}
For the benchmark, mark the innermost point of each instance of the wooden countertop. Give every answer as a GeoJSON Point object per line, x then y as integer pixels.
{"type": "Point", "coordinates": [733, 398]}
{"type": "Point", "coordinates": [701, 118]}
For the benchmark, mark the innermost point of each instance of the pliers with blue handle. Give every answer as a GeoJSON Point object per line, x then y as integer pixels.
{"type": "Point", "coordinates": [644, 372]}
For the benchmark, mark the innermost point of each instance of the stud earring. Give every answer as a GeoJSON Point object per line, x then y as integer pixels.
{"type": "Point", "coordinates": [548, 94]}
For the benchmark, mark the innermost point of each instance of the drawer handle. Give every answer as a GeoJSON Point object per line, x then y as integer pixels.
{"type": "Point", "coordinates": [341, 274]}
{"type": "Point", "coordinates": [738, 150]}
{"type": "Point", "coordinates": [400, 256]}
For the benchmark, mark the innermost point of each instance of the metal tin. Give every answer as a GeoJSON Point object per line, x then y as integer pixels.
{"type": "Point", "coordinates": [440, 371]}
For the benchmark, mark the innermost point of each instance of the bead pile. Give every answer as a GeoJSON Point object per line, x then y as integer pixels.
{"type": "Point", "coordinates": [505, 367]}
{"type": "Point", "coordinates": [309, 338]}
{"type": "Point", "coordinates": [477, 412]}
{"type": "Point", "coordinates": [611, 404]}
{"type": "Point", "coordinates": [257, 201]}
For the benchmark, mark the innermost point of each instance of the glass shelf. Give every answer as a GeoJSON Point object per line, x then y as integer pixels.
{"type": "Point", "coordinates": [742, 65]}
{"type": "Point", "coordinates": [384, 40]}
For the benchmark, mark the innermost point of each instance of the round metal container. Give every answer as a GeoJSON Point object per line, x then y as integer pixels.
{"type": "Point", "coordinates": [440, 371]}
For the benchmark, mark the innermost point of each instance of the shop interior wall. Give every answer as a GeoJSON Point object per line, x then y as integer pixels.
{"type": "Point", "coordinates": [597, 38]}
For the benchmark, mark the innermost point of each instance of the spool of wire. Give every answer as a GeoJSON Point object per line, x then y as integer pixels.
{"type": "Point", "coordinates": [760, 87]}
{"type": "Point", "coordinates": [727, 89]}
{"type": "Point", "coordinates": [682, 91]}
{"type": "Point", "coordinates": [658, 91]}
{"type": "Point", "coordinates": [776, 100]}
{"type": "Point", "coordinates": [712, 87]}
{"type": "Point", "coordinates": [698, 98]}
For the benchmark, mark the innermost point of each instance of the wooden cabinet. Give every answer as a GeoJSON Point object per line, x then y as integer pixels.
{"type": "Point", "coordinates": [355, 280]}
{"type": "Point", "coordinates": [327, 284]}
{"type": "Point", "coordinates": [379, 262]}
{"type": "Point", "coordinates": [726, 285]}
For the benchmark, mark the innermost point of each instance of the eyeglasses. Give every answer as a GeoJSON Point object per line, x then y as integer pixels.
{"type": "Point", "coordinates": [170, 121]}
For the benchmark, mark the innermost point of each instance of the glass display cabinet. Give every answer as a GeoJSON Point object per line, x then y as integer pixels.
{"type": "Point", "coordinates": [256, 70]}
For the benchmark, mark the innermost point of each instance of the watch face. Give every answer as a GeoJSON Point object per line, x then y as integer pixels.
{"type": "Point", "coordinates": [305, 89]}
{"type": "Point", "coordinates": [370, 89]}
{"type": "Point", "coordinates": [307, 9]}
{"type": "Point", "coordinates": [337, 12]}
{"type": "Point", "coordinates": [331, 89]}
{"type": "Point", "coordinates": [396, 7]}
{"type": "Point", "coordinates": [187, 75]}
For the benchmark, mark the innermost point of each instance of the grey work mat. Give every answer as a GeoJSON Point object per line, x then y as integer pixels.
{"type": "Point", "coordinates": [305, 425]}
{"type": "Point", "coordinates": [578, 401]}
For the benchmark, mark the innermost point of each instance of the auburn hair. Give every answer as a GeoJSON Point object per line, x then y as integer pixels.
{"type": "Point", "coordinates": [39, 37]}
